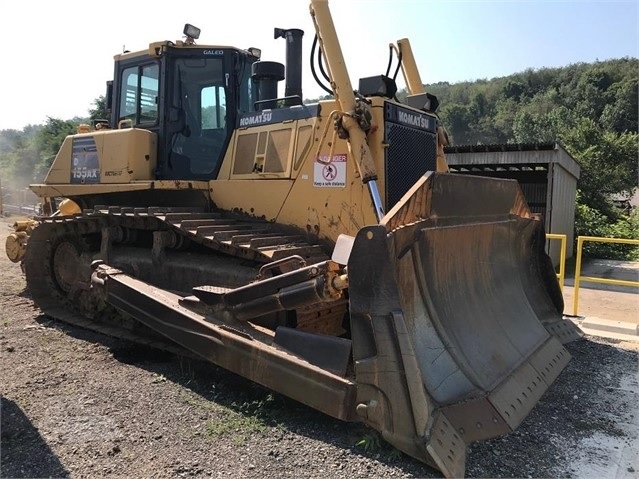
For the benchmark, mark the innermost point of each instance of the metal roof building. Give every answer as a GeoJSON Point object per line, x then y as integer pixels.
{"type": "Point", "coordinates": [546, 173]}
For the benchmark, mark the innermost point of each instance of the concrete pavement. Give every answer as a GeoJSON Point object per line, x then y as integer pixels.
{"type": "Point", "coordinates": [604, 310]}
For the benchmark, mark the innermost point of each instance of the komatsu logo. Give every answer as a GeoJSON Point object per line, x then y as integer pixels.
{"type": "Point", "coordinates": [413, 119]}
{"type": "Point", "coordinates": [256, 119]}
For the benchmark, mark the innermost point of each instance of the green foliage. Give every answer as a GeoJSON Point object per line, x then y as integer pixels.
{"type": "Point", "coordinates": [371, 442]}
{"type": "Point", "coordinates": [48, 141]}
{"type": "Point", "coordinates": [25, 156]}
{"type": "Point", "coordinates": [17, 157]}
{"type": "Point", "coordinates": [242, 420]}
{"type": "Point", "coordinates": [99, 110]}
{"type": "Point", "coordinates": [591, 222]}
{"type": "Point", "coordinates": [239, 426]}
{"type": "Point", "coordinates": [589, 108]}
{"type": "Point", "coordinates": [606, 92]}
{"type": "Point", "coordinates": [608, 162]}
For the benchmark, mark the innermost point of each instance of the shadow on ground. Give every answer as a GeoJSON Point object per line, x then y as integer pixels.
{"type": "Point", "coordinates": [24, 453]}
{"type": "Point", "coordinates": [246, 398]}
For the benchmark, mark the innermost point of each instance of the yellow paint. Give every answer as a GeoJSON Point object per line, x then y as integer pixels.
{"type": "Point", "coordinates": [66, 190]}
{"type": "Point", "coordinates": [124, 155]}
{"type": "Point", "coordinates": [297, 173]}
{"type": "Point", "coordinates": [261, 199]}
{"type": "Point", "coordinates": [562, 257]}
{"type": "Point", "coordinates": [68, 207]}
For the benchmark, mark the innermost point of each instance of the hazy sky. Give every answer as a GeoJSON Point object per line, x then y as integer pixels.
{"type": "Point", "coordinates": [57, 56]}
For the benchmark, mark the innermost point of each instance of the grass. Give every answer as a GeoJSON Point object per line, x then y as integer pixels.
{"type": "Point", "coordinates": [370, 442]}
{"type": "Point", "coordinates": [238, 426]}
{"type": "Point", "coordinates": [158, 378]}
{"type": "Point", "coordinates": [242, 420]}
{"type": "Point", "coordinates": [199, 402]}
{"type": "Point", "coordinates": [187, 370]}
{"type": "Point", "coordinates": [373, 444]}
{"type": "Point", "coordinates": [239, 421]}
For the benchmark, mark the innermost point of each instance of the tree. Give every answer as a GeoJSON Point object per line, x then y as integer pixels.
{"type": "Point", "coordinates": [456, 117]}
{"type": "Point", "coordinates": [591, 109]}
{"type": "Point", "coordinates": [99, 110]}
{"type": "Point", "coordinates": [32, 151]}
{"type": "Point", "coordinates": [608, 162]}
{"type": "Point", "coordinates": [513, 89]}
{"type": "Point", "coordinates": [17, 156]}
{"type": "Point", "coordinates": [48, 141]}
{"type": "Point", "coordinates": [620, 114]}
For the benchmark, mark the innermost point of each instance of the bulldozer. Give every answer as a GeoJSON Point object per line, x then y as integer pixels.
{"type": "Point", "coordinates": [322, 250]}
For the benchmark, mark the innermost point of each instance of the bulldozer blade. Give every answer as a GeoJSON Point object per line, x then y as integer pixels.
{"type": "Point", "coordinates": [449, 298]}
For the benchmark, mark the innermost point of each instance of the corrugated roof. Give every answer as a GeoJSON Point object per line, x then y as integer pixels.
{"type": "Point", "coordinates": [511, 154]}
{"type": "Point", "coordinates": [502, 147]}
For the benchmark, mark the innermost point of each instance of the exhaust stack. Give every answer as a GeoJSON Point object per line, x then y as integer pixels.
{"type": "Point", "coordinates": [293, 87]}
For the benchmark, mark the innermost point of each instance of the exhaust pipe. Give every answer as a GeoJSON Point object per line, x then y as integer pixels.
{"type": "Point", "coordinates": [293, 87]}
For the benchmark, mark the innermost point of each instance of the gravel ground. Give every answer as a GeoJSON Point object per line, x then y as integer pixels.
{"type": "Point", "coordinates": [80, 404]}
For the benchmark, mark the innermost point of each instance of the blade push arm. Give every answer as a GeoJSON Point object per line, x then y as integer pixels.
{"type": "Point", "coordinates": [416, 88]}
{"type": "Point", "coordinates": [351, 109]}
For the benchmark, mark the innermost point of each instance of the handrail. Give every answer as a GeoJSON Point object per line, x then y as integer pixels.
{"type": "Point", "coordinates": [592, 279]}
{"type": "Point", "coordinates": [562, 257]}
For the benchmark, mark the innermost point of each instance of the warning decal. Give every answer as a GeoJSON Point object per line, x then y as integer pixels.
{"type": "Point", "coordinates": [330, 175]}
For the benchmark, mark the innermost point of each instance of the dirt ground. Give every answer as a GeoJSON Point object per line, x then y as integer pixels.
{"type": "Point", "coordinates": [79, 404]}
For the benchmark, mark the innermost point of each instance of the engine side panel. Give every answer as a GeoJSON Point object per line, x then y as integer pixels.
{"type": "Point", "coordinates": [106, 157]}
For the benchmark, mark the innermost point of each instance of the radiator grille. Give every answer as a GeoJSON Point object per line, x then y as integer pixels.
{"type": "Point", "coordinates": [411, 152]}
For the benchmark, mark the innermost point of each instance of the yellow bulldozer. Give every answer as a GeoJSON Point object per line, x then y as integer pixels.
{"type": "Point", "coordinates": [321, 250]}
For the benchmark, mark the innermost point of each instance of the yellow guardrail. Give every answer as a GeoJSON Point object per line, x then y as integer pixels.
{"type": "Point", "coordinates": [592, 279]}
{"type": "Point", "coordinates": [562, 257]}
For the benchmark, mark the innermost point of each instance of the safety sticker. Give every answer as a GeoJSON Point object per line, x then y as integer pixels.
{"type": "Point", "coordinates": [330, 174]}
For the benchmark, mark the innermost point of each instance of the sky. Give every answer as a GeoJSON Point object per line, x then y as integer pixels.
{"type": "Point", "coordinates": [58, 55]}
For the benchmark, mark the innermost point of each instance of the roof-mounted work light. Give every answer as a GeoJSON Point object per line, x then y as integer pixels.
{"type": "Point", "coordinates": [192, 33]}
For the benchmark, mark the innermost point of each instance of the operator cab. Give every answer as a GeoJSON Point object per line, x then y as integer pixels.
{"type": "Point", "coordinates": [191, 96]}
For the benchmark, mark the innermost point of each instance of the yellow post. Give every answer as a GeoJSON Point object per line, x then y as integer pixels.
{"type": "Point", "coordinates": [591, 279]}
{"type": "Point", "coordinates": [562, 262]}
{"type": "Point", "coordinates": [562, 257]}
{"type": "Point", "coordinates": [575, 301]}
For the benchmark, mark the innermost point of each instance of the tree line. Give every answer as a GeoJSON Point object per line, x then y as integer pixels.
{"type": "Point", "coordinates": [591, 109]}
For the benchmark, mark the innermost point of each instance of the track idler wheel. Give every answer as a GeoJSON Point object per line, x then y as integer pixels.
{"type": "Point", "coordinates": [66, 265]}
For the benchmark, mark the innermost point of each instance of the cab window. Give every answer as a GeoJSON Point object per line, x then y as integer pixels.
{"type": "Point", "coordinates": [213, 104]}
{"type": "Point", "coordinates": [139, 99]}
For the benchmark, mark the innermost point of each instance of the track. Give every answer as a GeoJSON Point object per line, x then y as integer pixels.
{"type": "Point", "coordinates": [61, 249]}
